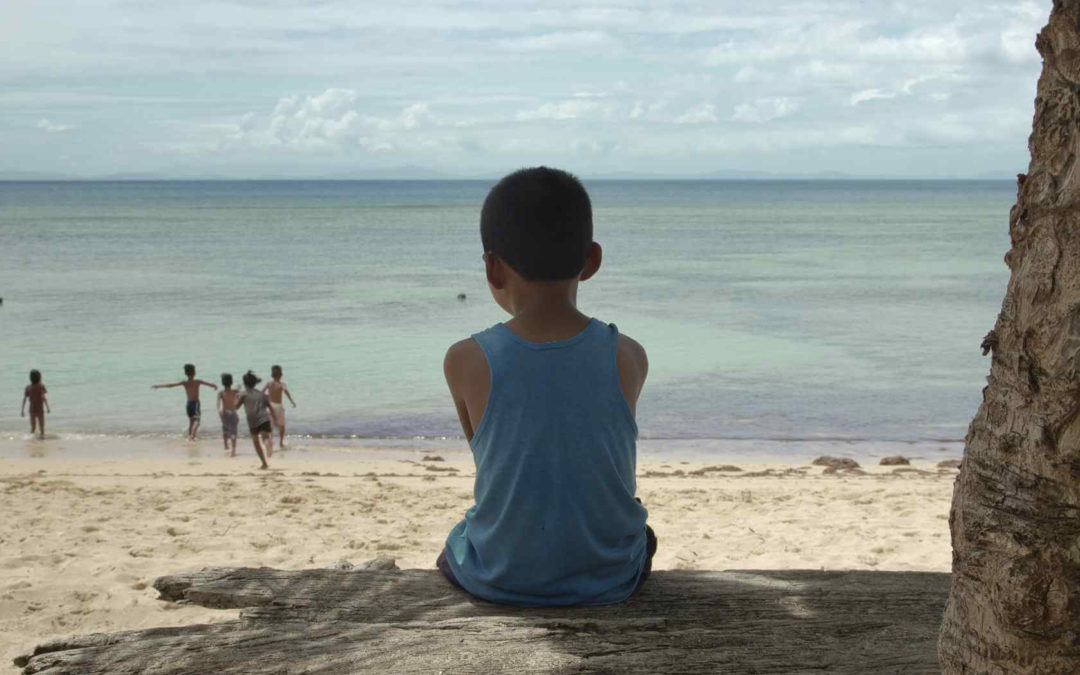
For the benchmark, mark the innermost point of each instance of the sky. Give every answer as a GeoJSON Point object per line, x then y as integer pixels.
{"type": "Point", "coordinates": [268, 89]}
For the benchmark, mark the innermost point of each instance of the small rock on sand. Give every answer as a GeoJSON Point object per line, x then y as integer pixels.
{"type": "Point", "coordinates": [432, 458]}
{"type": "Point", "coordinates": [383, 562]}
{"type": "Point", "coordinates": [836, 462]}
{"type": "Point", "coordinates": [342, 564]}
{"type": "Point", "coordinates": [949, 464]}
{"type": "Point", "coordinates": [719, 467]}
{"type": "Point", "coordinates": [894, 460]}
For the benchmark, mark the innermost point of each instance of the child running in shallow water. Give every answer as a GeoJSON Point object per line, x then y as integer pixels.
{"type": "Point", "coordinates": [226, 406]}
{"type": "Point", "coordinates": [274, 389]}
{"type": "Point", "coordinates": [39, 403]}
{"type": "Point", "coordinates": [191, 387]}
{"type": "Point", "coordinates": [257, 407]}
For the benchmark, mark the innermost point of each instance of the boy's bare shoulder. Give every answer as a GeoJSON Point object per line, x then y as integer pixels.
{"type": "Point", "coordinates": [465, 364]}
{"type": "Point", "coordinates": [464, 353]}
{"type": "Point", "coordinates": [631, 350]}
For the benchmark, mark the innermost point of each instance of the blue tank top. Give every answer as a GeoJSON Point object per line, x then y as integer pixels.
{"type": "Point", "coordinates": [555, 520]}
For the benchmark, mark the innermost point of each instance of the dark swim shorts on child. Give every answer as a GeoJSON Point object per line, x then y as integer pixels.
{"type": "Point", "coordinates": [193, 410]}
{"type": "Point", "coordinates": [230, 422]}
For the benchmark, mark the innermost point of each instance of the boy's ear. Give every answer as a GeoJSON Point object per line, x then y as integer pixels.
{"type": "Point", "coordinates": [593, 259]}
{"type": "Point", "coordinates": [493, 268]}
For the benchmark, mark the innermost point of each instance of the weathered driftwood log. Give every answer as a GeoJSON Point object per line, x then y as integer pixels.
{"type": "Point", "coordinates": [1015, 603]}
{"type": "Point", "coordinates": [412, 621]}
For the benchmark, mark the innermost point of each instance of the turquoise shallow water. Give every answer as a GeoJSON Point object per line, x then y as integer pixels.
{"type": "Point", "coordinates": [770, 310]}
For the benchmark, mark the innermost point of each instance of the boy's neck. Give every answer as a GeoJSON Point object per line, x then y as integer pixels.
{"type": "Point", "coordinates": [545, 311]}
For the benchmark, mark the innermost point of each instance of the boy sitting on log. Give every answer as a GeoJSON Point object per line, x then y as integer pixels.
{"type": "Point", "coordinates": [547, 403]}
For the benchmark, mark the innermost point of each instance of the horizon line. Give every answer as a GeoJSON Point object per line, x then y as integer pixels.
{"type": "Point", "coordinates": [465, 179]}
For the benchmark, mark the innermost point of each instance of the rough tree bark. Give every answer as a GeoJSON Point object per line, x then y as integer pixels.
{"type": "Point", "coordinates": [1014, 606]}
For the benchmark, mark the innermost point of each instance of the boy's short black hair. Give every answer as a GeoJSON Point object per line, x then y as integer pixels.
{"type": "Point", "coordinates": [250, 379]}
{"type": "Point", "coordinates": [189, 369]}
{"type": "Point", "coordinates": [226, 379]}
{"type": "Point", "coordinates": [275, 369]}
{"type": "Point", "coordinates": [539, 221]}
{"type": "Point", "coordinates": [35, 376]}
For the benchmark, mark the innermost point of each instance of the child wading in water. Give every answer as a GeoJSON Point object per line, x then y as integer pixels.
{"type": "Point", "coordinates": [191, 387]}
{"type": "Point", "coordinates": [274, 389]}
{"type": "Point", "coordinates": [226, 406]}
{"type": "Point", "coordinates": [257, 407]}
{"type": "Point", "coordinates": [547, 402]}
{"type": "Point", "coordinates": [35, 392]}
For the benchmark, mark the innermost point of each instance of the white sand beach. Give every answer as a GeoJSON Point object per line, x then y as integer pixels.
{"type": "Point", "coordinates": [82, 540]}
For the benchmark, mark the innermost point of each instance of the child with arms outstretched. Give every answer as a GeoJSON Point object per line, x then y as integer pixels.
{"type": "Point", "coordinates": [191, 388]}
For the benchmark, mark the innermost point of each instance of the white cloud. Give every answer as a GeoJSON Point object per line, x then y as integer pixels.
{"type": "Point", "coordinates": [936, 44]}
{"type": "Point", "coordinates": [870, 95]}
{"type": "Point", "coordinates": [501, 82]}
{"type": "Point", "coordinates": [411, 117]}
{"type": "Point", "coordinates": [765, 109]}
{"type": "Point", "coordinates": [322, 122]}
{"type": "Point", "coordinates": [830, 71]}
{"type": "Point", "coordinates": [751, 75]}
{"type": "Point", "coordinates": [1018, 44]}
{"type": "Point", "coordinates": [699, 114]}
{"type": "Point", "coordinates": [647, 111]}
{"type": "Point", "coordinates": [565, 110]}
{"type": "Point", "coordinates": [329, 122]}
{"type": "Point", "coordinates": [561, 41]}
{"type": "Point", "coordinates": [53, 128]}
{"type": "Point", "coordinates": [590, 146]}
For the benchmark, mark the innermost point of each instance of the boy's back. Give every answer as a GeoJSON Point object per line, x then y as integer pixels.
{"type": "Point", "coordinates": [35, 392]}
{"type": "Point", "coordinates": [547, 403]}
{"type": "Point", "coordinates": [555, 520]}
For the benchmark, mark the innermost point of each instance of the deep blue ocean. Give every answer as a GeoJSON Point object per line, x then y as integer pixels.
{"type": "Point", "coordinates": [769, 309]}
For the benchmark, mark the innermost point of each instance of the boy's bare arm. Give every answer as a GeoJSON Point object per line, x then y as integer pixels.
{"type": "Point", "coordinates": [633, 365]}
{"type": "Point", "coordinates": [25, 398]}
{"type": "Point", "coordinates": [167, 386]}
{"type": "Point", "coordinates": [45, 400]}
{"type": "Point", "coordinates": [469, 380]}
{"type": "Point", "coordinates": [285, 388]}
{"type": "Point", "coordinates": [208, 384]}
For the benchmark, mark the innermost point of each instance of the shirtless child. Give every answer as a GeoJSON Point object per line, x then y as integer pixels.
{"type": "Point", "coordinates": [226, 407]}
{"type": "Point", "coordinates": [39, 403]}
{"type": "Point", "coordinates": [191, 386]}
{"type": "Point", "coordinates": [274, 389]}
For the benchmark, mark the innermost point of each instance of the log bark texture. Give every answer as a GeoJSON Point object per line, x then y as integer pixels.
{"type": "Point", "coordinates": [1015, 602]}
{"type": "Point", "coordinates": [413, 621]}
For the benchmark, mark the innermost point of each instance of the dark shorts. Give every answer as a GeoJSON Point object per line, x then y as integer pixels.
{"type": "Point", "coordinates": [194, 412]}
{"type": "Point", "coordinates": [263, 428]}
{"type": "Point", "coordinates": [229, 422]}
{"type": "Point", "coordinates": [650, 551]}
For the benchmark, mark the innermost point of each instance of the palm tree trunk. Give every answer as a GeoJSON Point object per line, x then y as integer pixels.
{"type": "Point", "coordinates": [1014, 606]}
